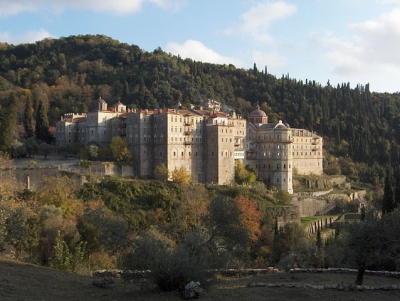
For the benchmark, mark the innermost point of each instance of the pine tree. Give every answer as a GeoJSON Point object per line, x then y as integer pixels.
{"type": "Point", "coordinates": [28, 119]}
{"type": "Point", "coordinates": [42, 123]}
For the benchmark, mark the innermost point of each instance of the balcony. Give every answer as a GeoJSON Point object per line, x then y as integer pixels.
{"type": "Point", "coordinates": [187, 142]}
{"type": "Point", "coordinates": [188, 133]}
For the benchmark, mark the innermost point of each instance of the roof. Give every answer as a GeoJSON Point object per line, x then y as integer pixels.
{"type": "Point", "coordinates": [278, 125]}
{"type": "Point", "coordinates": [257, 113]}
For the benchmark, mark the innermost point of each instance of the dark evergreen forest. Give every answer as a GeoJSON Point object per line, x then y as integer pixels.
{"type": "Point", "coordinates": [185, 227]}
{"type": "Point", "coordinates": [68, 74]}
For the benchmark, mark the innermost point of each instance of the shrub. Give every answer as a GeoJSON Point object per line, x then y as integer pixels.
{"type": "Point", "coordinates": [172, 267]}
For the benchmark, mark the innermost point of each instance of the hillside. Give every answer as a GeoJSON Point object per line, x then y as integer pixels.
{"type": "Point", "coordinates": [26, 282]}
{"type": "Point", "coordinates": [69, 73]}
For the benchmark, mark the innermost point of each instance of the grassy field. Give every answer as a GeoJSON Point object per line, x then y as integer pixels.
{"type": "Point", "coordinates": [24, 282]}
{"type": "Point", "coordinates": [305, 221]}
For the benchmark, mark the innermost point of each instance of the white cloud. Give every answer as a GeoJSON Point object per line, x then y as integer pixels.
{"type": "Point", "coordinates": [258, 19]}
{"type": "Point", "coordinates": [373, 47]}
{"type": "Point", "coordinates": [389, 1]}
{"type": "Point", "coordinates": [13, 7]}
{"type": "Point", "coordinates": [199, 52]}
{"type": "Point", "coordinates": [170, 5]}
{"type": "Point", "coordinates": [271, 59]}
{"type": "Point", "coordinates": [370, 54]}
{"type": "Point", "coordinates": [29, 37]}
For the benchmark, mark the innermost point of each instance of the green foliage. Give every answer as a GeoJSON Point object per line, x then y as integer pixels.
{"type": "Point", "coordinates": [290, 240]}
{"type": "Point", "coordinates": [129, 198]}
{"type": "Point", "coordinates": [119, 149]}
{"type": "Point", "coordinates": [92, 150]}
{"type": "Point", "coordinates": [85, 163]}
{"type": "Point", "coordinates": [161, 172]}
{"type": "Point", "coordinates": [172, 267]}
{"type": "Point", "coordinates": [283, 197]}
{"type": "Point", "coordinates": [4, 216]}
{"type": "Point", "coordinates": [44, 149]}
{"type": "Point", "coordinates": [29, 125]}
{"type": "Point", "coordinates": [66, 259]}
{"type": "Point", "coordinates": [389, 202]}
{"type": "Point", "coordinates": [355, 122]}
{"type": "Point", "coordinates": [31, 146]}
{"type": "Point", "coordinates": [42, 123]}
{"type": "Point", "coordinates": [244, 174]}
{"type": "Point", "coordinates": [373, 243]}
{"type": "Point", "coordinates": [8, 122]}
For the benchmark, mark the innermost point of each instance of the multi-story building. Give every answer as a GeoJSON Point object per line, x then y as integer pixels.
{"type": "Point", "coordinates": [277, 151]}
{"type": "Point", "coordinates": [94, 126]}
{"type": "Point", "coordinates": [205, 142]}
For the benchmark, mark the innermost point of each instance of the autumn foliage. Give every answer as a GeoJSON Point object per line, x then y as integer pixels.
{"type": "Point", "coordinates": [249, 217]}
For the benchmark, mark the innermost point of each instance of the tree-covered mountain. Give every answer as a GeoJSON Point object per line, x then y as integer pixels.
{"type": "Point", "coordinates": [68, 74]}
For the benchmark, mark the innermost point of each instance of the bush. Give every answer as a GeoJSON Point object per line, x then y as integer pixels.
{"type": "Point", "coordinates": [176, 268]}
{"type": "Point", "coordinates": [172, 267]}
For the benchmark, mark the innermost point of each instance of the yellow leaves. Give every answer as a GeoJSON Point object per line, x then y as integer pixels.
{"type": "Point", "coordinates": [60, 192]}
{"type": "Point", "coordinates": [180, 175]}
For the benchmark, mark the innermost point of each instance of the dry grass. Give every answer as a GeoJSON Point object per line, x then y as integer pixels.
{"type": "Point", "coordinates": [24, 282]}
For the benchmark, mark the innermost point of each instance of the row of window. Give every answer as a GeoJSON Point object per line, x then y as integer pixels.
{"type": "Point", "coordinates": [278, 166]}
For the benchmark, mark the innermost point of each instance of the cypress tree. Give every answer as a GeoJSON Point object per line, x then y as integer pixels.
{"type": "Point", "coordinates": [28, 119]}
{"type": "Point", "coordinates": [42, 123]}
{"type": "Point", "coordinates": [388, 202]}
{"type": "Point", "coordinates": [397, 186]}
{"type": "Point", "coordinates": [8, 120]}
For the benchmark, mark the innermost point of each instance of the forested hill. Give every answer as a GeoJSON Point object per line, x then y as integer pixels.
{"type": "Point", "coordinates": [69, 73]}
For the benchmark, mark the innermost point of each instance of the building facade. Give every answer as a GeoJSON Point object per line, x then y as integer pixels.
{"type": "Point", "coordinates": [277, 151]}
{"type": "Point", "coordinates": [204, 142]}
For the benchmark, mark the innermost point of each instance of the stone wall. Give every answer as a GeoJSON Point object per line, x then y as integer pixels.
{"type": "Point", "coordinates": [34, 177]}
{"type": "Point", "coordinates": [310, 206]}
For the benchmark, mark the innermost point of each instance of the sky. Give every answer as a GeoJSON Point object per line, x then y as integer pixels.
{"type": "Point", "coordinates": [340, 41]}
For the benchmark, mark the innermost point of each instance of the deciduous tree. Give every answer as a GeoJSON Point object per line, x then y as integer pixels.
{"type": "Point", "coordinates": [161, 172]}
{"type": "Point", "coordinates": [180, 175]}
{"type": "Point", "coordinates": [60, 192]}
{"type": "Point", "coordinates": [249, 217]}
{"type": "Point", "coordinates": [119, 149]}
